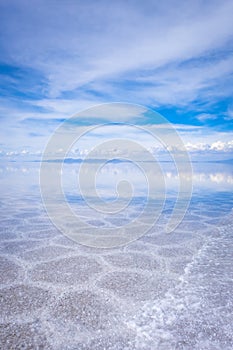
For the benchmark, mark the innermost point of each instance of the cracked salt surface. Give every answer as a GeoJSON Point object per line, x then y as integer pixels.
{"type": "Point", "coordinates": [163, 291]}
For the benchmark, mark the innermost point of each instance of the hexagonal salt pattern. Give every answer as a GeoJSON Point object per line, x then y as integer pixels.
{"type": "Point", "coordinates": [163, 291]}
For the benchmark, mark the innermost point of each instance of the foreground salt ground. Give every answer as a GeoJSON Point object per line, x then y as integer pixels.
{"type": "Point", "coordinates": [159, 292]}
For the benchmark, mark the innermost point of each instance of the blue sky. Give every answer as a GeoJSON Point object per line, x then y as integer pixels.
{"type": "Point", "coordinates": [59, 57]}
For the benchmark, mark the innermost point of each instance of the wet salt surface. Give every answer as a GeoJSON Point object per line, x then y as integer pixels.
{"type": "Point", "coordinates": [163, 291]}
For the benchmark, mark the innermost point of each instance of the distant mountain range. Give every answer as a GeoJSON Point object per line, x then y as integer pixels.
{"type": "Point", "coordinates": [116, 160]}
{"type": "Point", "coordinates": [80, 160]}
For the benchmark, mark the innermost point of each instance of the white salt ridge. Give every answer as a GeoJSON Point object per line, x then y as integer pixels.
{"type": "Point", "coordinates": [197, 313]}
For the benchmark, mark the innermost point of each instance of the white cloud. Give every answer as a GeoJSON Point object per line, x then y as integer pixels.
{"type": "Point", "coordinates": [217, 146]}
{"type": "Point", "coordinates": [98, 45]}
{"type": "Point", "coordinates": [229, 115]}
{"type": "Point", "coordinates": [114, 112]}
{"type": "Point", "coordinates": [24, 152]}
{"type": "Point", "coordinates": [155, 53]}
{"type": "Point", "coordinates": [222, 146]}
{"type": "Point", "coordinates": [206, 116]}
{"type": "Point", "coordinates": [197, 147]}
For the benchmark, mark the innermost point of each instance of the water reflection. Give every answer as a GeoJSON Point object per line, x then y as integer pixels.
{"type": "Point", "coordinates": [206, 176]}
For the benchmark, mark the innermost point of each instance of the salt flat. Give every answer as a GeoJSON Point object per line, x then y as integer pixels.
{"type": "Point", "coordinates": [162, 291]}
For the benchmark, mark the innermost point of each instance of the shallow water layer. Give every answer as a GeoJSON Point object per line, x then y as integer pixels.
{"type": "Point", "coordinates": [162, 291]}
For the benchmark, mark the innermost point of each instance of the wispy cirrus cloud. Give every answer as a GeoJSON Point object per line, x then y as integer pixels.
{"type": "Point", "coordinates": [206, 116]}
{"type": "Point", "coordinates": [173, 56]}
{"type": "Point", "coordinates": [86, 44]}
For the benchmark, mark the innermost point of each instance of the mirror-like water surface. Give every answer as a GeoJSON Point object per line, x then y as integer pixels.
{"type": "Point", "coordinates": [162, 291]}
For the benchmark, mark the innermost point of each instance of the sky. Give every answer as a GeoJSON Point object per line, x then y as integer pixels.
{"type": "Point", "coordinates": [59, 57]}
